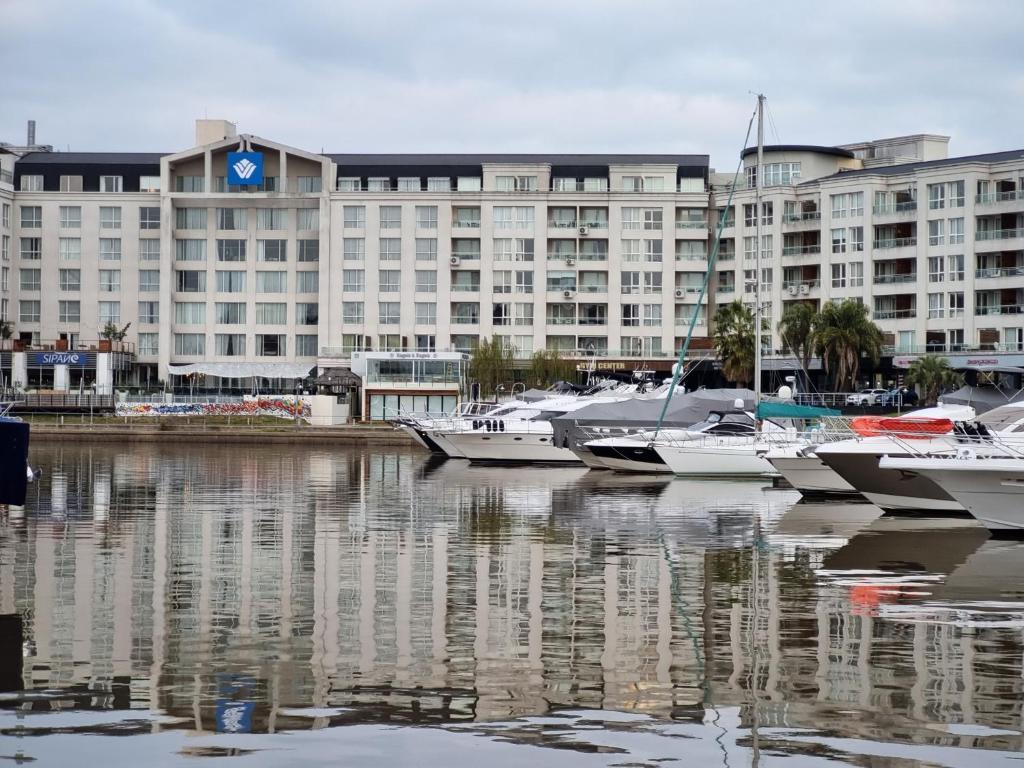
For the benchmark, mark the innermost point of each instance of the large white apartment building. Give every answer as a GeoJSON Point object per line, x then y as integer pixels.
{"type": "Point", "coordinates": [593, 255]}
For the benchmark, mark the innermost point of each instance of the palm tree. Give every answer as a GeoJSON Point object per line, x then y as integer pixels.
{"type": "Point", "coordinates": [843, 334]}
{"type": "Point", "coordinates": [797, 330]}
{"type": "Point", "coordinates": [734, 340]}
{"type": "Point", "coordinates": [933, 375]}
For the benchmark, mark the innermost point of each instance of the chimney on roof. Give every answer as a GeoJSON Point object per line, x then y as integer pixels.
{"type": "Point", "coordinates": [31, 133]}
{"type": "Point", "coordinates": [210, 131]}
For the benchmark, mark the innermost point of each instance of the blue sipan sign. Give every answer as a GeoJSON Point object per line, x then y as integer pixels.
{"type": "Point", "coordinates": [58, 358]}
{"type": "Point", "coordinates": [245, 168]}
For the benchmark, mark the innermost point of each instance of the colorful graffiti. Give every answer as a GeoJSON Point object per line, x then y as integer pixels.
{"type": "Point", "coordinates": [276, 407]}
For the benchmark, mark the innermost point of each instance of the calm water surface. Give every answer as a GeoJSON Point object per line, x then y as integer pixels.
{"type": "Point", "coordinates": [374, 607]}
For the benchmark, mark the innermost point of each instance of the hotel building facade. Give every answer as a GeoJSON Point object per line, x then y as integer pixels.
{"type": "Point", "coordinates": [597, 256]}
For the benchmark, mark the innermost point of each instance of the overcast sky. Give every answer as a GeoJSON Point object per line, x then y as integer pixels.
{"type": "Point", "coordinates": [523, 75]}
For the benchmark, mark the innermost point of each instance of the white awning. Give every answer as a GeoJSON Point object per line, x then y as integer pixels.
{"type": "Point", "coordinates": [244, 370]}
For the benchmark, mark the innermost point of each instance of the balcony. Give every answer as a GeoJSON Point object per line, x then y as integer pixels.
{"type": "Point", "coordinates": [801, 250]}
{"type": "Point", "coordinates": [800, 287]}
{"type": "Point", "coordinates": [998, 272]}
{"type": "Point", "coordinates": [993, 198]}
{"type": "Point", "coordinates": [999, 309]}
{"type": "Point", "coordinates": [692, 224]}
{"type": "Point", "coordinates": [466, 224]}
{"type": "Point", "coordinates": [466, 287]}
{"type": "Point", "coordinates": [803, 220]}
{"type": "Point", "coordinates": [998, 234]}
{"type": "Point", "coordinates": [903, 210]}
{"type": "Point", "coordinates": [895, 242]}
{"type": "Point", "coordinates": [884, 279]}
{"type": "Point", "coordinates": [563, 224]}
{"type": "Point", "coordinates": [465, 320]}
{"type": "Point", "coordinates": [593, 288]}
{"type": "Point", "coordinates": [894, 314]}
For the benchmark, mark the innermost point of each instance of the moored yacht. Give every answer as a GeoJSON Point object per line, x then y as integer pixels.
{"type": "Point", "coordinates": [799, 465]}
{"type": "Point", "coordinates": [724, 446]}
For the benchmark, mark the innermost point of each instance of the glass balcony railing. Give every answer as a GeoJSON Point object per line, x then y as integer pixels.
{"type": "Point", "coordinates": [803, 216]}
{"type": "Point", "coordinates": [999, 197]}
{"type": "Point", "coordinates": [999, 272]}
{"type": "Point", "coordinates": [999, 309]}
{"type": "Point", "coordinates": [894, 314]}
{"type": "Point", "coordinates": [998, 234]}
{"type": "Point", "coordinates": [800, 250]}
{"type": "Point", "coordinates": [894, 208]}
{"type": "Point", "coordinates": [895, 242]}
{"type": "Point", "coordinates": [909, 277]}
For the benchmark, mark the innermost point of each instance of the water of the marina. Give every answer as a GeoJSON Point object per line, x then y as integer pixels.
{"type": "Point", "coordinates": [294, 606]}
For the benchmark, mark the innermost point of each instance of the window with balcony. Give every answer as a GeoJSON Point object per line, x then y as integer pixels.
{"type": "Point", "coordinates": [466, 280]}
{"type": "Point", "coordinates": [189, 184]}
{"type": "Point", "coordinates": [561, 313]}
{"type": "Point", "coordinates": [692, 250]}
{"type": "Point", "coordinates": [594, 218]}
{"type": "Point", "coordinates": [469, 217]}
{"type": "Point", "coordinates": [410, 184]}
{"type": "Point", "coordinates": [562, 218]}
{"type": "Point", "coordinates": [439, 184]}
{"type": "Point", "coordinates": [593, 250]}
{"type": "Point", "coordinates": [515, 183]}
{"type": "Point", "coordinates": [465, 313]}
{"type": "Point", "coordinates": [466, 249]}
{"type": "Point", "coordinates": [378, 184]}
{"type": "Point", "coordinates": [307, 185]}
{"type": "Point", "coordinates": [561, 281]}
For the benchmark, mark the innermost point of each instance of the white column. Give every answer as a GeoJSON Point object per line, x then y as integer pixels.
{"type": "Point", "coordinates": [104, 373]}
{"type": "Point", "coordinates": [60, 378]}
{"type": "Point", "coordinates": [19, 369]}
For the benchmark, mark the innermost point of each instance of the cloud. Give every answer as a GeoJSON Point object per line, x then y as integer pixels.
{"type": "Point", "coordinates": [577, 75]}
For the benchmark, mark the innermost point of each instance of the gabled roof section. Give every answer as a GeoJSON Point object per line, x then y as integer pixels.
{"type": "Point", "coordinates": [234, 141]}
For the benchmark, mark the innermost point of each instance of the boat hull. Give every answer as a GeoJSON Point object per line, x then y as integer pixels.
{"type": "Point", "coordinates": [510, 447]}
{"type": "Point", "coordinates": [715, 461]}
{"type": "Point", "coordinates": [447, 447]}
{"type": "Point", "coordinates": [890, 489]}
{"type": "Point", "coordinates": [630, 458]}
{"type": "Point", "coordinates": [810, 475]}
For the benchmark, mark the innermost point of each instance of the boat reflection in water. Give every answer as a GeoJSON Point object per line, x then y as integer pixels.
{"type": "Point", "coordinates": [188, 593]}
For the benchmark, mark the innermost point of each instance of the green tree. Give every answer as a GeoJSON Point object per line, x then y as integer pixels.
{"type": "Point", "coordinates": [933, 375]}
{"type": "Point", "coordinates": [547, 367]}
{"type": "Point", "coordinates": [797, 330]}
{"type": "Point", "coordinates": [843, 334]}
{"type": "Point", "coordinates": [734, 341]}
{"type": "Point", "coordinates": [6, 329]}
{"type": "Point", "coordinates": [490, 366]}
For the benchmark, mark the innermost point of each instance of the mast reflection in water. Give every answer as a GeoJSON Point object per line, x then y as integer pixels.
{"type": "Point", "coordinates": [245, 590]}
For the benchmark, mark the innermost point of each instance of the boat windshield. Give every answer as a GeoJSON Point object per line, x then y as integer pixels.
{"type": "Point", "coordinates": [1005, 418]}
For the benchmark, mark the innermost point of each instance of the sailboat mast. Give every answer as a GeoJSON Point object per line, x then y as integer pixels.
{"type": "Point", "coordinates": [757, 247]}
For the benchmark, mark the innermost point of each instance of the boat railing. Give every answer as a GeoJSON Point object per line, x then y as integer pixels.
{"type": "Point", "coordinates": [499, 424]}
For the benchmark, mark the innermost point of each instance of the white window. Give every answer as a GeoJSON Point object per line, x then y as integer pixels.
{"type": "Point", "coordinates": [231, 250]}
{"type": "Point", "coordinates": [956, 231]}
{"type": "Point", "coordinates": [28, 311]}
{"type": "Point", "coordinates": [30, 279]}
{"type": "Point", "coordinates": [149, 280]}
{"type": "Point", "coordinates": [31, 216]}
{"type": "Point", "coordinates": [305, 345]}
{"type": "Point", "coordinates": [70, 217]}
{"type": "Point", "coordinates": [378, 184]}
{"type": "Point", "coordinates": [149, 249]}
{"type": "Point", "coordinates": [191, 344]}
{"type": "Point", "coordinates": [270, 218]}
{"type": "Point", "coordinates": [523, 313]}
{"type": "Point", "coordinates": [353, 248]}
{"type": "Point", "coordinates": [307, 282]}
{"type": "Point", "coordinates": [271, 313]}
{"type": "Point", "coordinates": [309, 251]}
{"type": "Point", "coordinates": [149, 312]}
{"type": "Point", "coordinates": [936, 196]}
{"type": "Point", "coordinates": [426, 313]}
{"type": "Point", "coordinates": [390, 216]}
{"type": "Point", "coordinates": [524, 281]}
{"type": "Point", "coordinates": [936, 305]}
{"type": "Point", "coordinates": [630, 250]}
{"type": "Point", "coordinates": [632, 183]}
{"type": "Point", "coordinates": [652, 218]}
{"type": "Point", "coordinates": [468, 184]}
{"type": "Point", "coordinates": [70, 248]}
{"type": "Point", "coordinates": [149, 217]}
{"type": "Point", "coordinates": [271, 282]}
{"type": "Point", "coordinates": [652, 314]}
{"type": "Point", "coordinates": [856, 274]}
{"type": "Point", "coordinates": [936, 269]}
{"type": "Point", "coordinates": [190, 281]}
{"type": "Point", "coordinates": [856, 239]}
{"type": "Point", "coordinates": [936, 232]}
{"type": "Point", "coordinates": [70, 279]}
{"type": "Point", "coordinates": [409, 184]}
{"type": "Point", "coordinates": [352, 311]}
{"type": "Point", "coordinates": [110, 217]}
{"type": "Point", "coordinates": [390, 249]}
{"type": "Point", "coordinates": [426, 249]}
{"type": "Point", "coordinates": [69, 311]}
{"type": "Point", "coordinates": [111, 183]}
{"type": "Point", "coordinates": [110, 248]}
{"type": "Point", "coordinates": [503, 217]}
{"type": "Point", "coordinates": [426, 216]}
{"type": "Point", "coordinates": [502, 281]}
{"type": "Point", "coordinates": [32, 183]}
{"type": "Point", "coordinates": [956, 304]}
{"type": "Point", "coordinates": [110, 281]}
{"type": "Point", "coordinates": [349, 184]}
{"type": "Point", "coordinates": [524, 215]}
{"type": "Point", "coordinates": [652, 282]}
{"type": "Point", "coordinates": [439, 184]}
{"type": "Point", "coordinates": [230, 281]}
{"type": "Point", "coordinates": [955, 264]}
{"type": "Point", "coordinates": [389, 280]}
{"type": "Point", "coordinates": [149, 343]}
{"type": "Point", "coordinates": [149, 183]}
{"type": "Point", "coordinates": [189, 250]}
{"type": "Point", "coordinates": [354, 216]}
{"type": "Point", "coordinates": [653, 251]}
{"type": "Point", "coordinates": [426, 281]}
{"type": "Point", "coordinates": [631, 218]}
{"type": "Point", "coordinates": [230, 312]}
{"type": "Point", "coordinates": [838, 275]}
{"type": "Point", "coordinates": [389, 312]}
{"type": "Point", "coordinates": [190, 218]}
{"type": "Point", "coordinates": [309, 184]}
{"type": "Point", "coordinates": [839, 240]}
{"type": "Point", "coordinates": [190, 313]}
{"type": "Point", "coordinates": [232, 218]}
{"type": "Point", "coordinates": [31, 248]}
{"type": "Point", "coordinates": [272, 250]}
{"type": "Point", "coordinates": [271, 344]}
{"type": "Point", "coordinates": [352, 280]}
{"type": "Point", "coordinates": [229, 344]}
{"type": "Point", "coordinates": [110, 312]}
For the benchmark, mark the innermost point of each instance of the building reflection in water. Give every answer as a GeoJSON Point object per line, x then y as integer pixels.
{"type": "Point", "coordinates": [231, 586]}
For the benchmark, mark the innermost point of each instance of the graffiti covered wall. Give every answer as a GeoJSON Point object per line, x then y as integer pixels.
{"type": "Point", "coordinates": [278, 407]}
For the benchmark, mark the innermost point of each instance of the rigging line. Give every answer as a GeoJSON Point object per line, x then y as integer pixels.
{"type": "Point", "coordinates": [712, 259]}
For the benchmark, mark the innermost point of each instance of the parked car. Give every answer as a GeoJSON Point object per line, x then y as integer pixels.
{"type": "Point", "coordinates": [865, 396]}
{"type": "Point", "coordinates": [901, 397]}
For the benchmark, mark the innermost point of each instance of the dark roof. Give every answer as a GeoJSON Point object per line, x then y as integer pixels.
{"type": "Point", "coordinates": [837, 151]}
{"type": "Point", "coordinates": [93, 158]}
{"type": "Point", "coordinates": [901, 168]}
{"type": "Point", "coordinates": [479, 159]}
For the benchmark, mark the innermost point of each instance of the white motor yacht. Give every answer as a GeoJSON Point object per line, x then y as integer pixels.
{"type": "Point", "coordinates": [989, 487]}
{"type": "Point", "coordinates": [799, 465]}
{"type": "Point", "coordinates": [726, 445]}
{"type": "Point", "coordinates": [856, 461]}
{"type": "Point", "coordinates": [627, 453]}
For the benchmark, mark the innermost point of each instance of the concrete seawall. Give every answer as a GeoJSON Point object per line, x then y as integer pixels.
{"type": "Point", "coordinates": [354, 435]}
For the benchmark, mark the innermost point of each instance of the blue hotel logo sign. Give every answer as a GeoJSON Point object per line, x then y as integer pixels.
{"type": "Point", "coordinates": [245, 168]}
{"type": "Point", "coordinates": [58, 358]}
